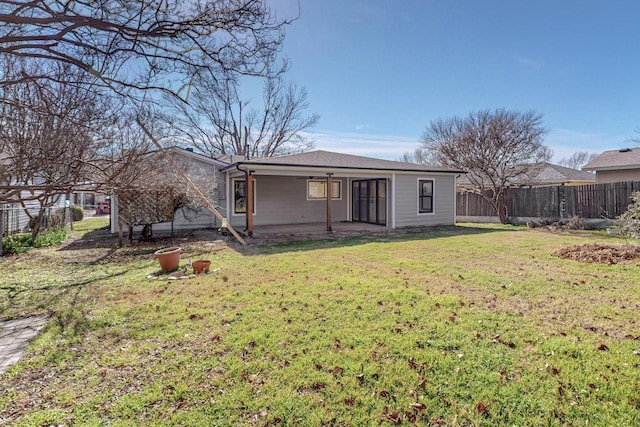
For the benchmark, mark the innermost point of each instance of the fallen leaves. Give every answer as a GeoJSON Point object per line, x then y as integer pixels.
{"type": "Point", "coordinates": [601, 253]}
{"type": "Point", "coordinates": [481, 408]}
{"type": "Point", "coordinates": [417, 406]}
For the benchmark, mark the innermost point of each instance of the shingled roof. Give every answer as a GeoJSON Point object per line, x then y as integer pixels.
{"type": "Point", "coordinates": [625, 158]}
{"type": "Point", "coordinates": [331, 160]}
{"type": "Point", "coordinates": [556, 174]}
{"type": "Point", "coordinates": [547, 174]}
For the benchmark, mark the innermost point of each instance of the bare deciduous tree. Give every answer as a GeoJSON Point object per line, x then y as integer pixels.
{"type": "Point", "coordinates": [418, 156]}
{"type": "Point", "coordinates": [58, 136]}
{"type": "Point", "coordinates": [130, 48]}
{"type": "Point", "coordinates": [218, 121]}
{"type": "Point", "coordinates": [578, 159]}
{"type": "Point", "coordinates": [494, 147]}
{"type": "Point", "coordinates": [134, 46]}
{"type": "Point", "coordinates": [45, 137]}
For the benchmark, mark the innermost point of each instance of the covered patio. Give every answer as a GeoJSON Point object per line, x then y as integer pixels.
{"type": "Point", "coordinates": [312, 231]}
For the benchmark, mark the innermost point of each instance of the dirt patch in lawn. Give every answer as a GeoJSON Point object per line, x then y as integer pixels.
{"type": "Point", "coordinates": [601, 253]}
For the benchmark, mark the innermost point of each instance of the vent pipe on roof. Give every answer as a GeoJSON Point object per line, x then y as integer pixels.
{"type": "Point", "coordinates": [247, 155]}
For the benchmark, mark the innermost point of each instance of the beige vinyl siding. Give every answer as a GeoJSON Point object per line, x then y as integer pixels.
{"type": "Point", "coordinates": [406, 201]}
{"type": "Point", "coordinates": [283, 200]}
{"type": "Point", "coordinates": [618, 175]}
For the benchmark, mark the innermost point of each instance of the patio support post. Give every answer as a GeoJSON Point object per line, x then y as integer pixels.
{"type": "Point", "coordinates": [249, 204]}
{"type": "Point", "coordinates": [329, 201]}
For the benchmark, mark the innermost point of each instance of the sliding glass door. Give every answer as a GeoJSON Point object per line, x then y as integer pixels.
{"type": "Point", "coordinates": [369, 201]}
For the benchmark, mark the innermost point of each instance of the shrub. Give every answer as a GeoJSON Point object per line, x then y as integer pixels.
{"type": "Point", "coordinates": [19, 243]}
{"type": "Point", "coordinates": [16, 243]}
{"type": "Point", "coordinates": [631, 218]}
{"type": "Point", "coordinates": [77, 214]}
{"type": "Point", "coordinates": [50, 237]}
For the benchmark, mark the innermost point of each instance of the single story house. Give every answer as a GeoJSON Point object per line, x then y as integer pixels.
{"type": "Point", "coordinates": [544, 174]}
{"type": "Point", "coordinates": [325, 187]}
{"type": "Point", "coordinates": [616, 165]}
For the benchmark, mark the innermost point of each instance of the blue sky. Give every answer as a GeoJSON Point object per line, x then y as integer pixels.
{"type": "Point", "coordinates": [378, 71]}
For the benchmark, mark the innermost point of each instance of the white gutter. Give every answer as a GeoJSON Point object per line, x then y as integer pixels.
{"type": "Point", "coordinates": [393, 200]}
{"type": "Point", "coordinates": [349, 204]}
{"type": "Point", "coordinates": [455, 198]}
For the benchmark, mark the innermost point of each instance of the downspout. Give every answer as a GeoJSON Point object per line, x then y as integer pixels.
{"type": "Point", "coordinates": [393, 201]}
{"type": "Point", "coordinates": [455, 199]}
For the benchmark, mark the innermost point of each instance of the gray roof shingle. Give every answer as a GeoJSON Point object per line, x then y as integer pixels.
{"type": "Point", "coordinates": [626, 158]}
{"type": "Point", "coordinates": [551, 173]}
{"type": "Point", "coordinates": [328, 159]}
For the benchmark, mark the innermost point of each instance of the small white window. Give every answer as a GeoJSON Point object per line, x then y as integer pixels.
{"type": "Point", "coordinates": [425, 196]}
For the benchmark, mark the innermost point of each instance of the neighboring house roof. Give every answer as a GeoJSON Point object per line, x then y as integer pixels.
{"type": "Point", "coordinates": [550, 174]}
{"type": "Point", "coordinates": [547, 174]}
{"type": "Point", "coordinates": [331, 160]}
{"type": "Point", "coordinates": [625, 158]}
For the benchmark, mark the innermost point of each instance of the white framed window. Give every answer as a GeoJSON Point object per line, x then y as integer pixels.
{"type": "Point", "coordinates": [239, 187]}
{"type": "Point", "coordinates": [426, 190]}
{"type": "Point", "coordinates": [317, 189]}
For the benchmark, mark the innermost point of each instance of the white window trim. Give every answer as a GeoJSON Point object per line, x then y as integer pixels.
{"type": "Point", "coordinates": [232, 199]}
{"type": "Point", "coordinates": [338, 181]}
{"type": "Point", "coordinates": [433, 196]}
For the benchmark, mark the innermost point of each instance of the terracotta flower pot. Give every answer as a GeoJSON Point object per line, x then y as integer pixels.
{"type": "Point", "coordinates": [201, 266]}
{"type": "Point", "coordinates": [169, 258]}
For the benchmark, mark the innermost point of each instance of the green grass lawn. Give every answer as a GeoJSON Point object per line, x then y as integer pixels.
{"type": "Point", "coordinates": [459, 326]}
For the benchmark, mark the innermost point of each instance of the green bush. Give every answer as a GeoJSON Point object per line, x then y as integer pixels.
{"type": "Point", "coordinates": [50, 237]}
{"type": "Point", "coordinates": [19, 243]}
{"type": "Point", "coordinates": [16, 243]}
{"type": "Point", "coordinates": [77, 214]}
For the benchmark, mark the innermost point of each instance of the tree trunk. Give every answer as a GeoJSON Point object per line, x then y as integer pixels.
{"type": "Point", "coordinates": [501, 207]}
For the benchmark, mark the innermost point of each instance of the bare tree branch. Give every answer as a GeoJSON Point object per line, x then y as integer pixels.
{"type": "Point", "coordinates": [578, 159]}
{"type": "Point", "coordinates": [218, 121]}
{"type": "Point", "coordinates": [138, 45]}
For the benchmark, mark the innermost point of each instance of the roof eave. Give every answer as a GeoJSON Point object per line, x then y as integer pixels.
{"type": "Point", "coordinates": [272, 166]}
{"type": "Point", "coordinates": [611, 168]}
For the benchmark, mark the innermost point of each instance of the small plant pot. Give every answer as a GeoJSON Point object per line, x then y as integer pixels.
{"type": "Point", "coordinates": [169, 258]}
{"type": "Point", "coordinates": [201, 266]}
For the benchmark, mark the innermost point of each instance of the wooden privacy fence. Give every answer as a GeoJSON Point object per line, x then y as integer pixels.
{"type": "Point", "coordinates": [594, 201]}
